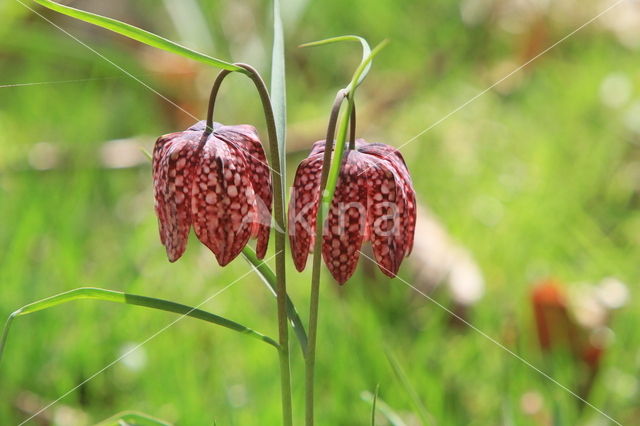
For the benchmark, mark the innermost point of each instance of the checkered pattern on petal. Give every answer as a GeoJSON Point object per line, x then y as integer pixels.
{"type": "Point", "coordinates": [346, 221]}
{"type": "Point", "coordinates": [210, 182]}
{"type": "Point", "coordinates": [173, 164]}
{"type": "Point", "coordinates": [373, 177]}
{"type": "Point", "coordinates": [394, 157]}
{"type": "Point", "coordinates": [223, 198]}
{"type": "Point", "coordinates": [383, 217]}
{"type": "Point", "coordinates": [303, 209]}
{"type": "Point", "coordinates": [245, 138]}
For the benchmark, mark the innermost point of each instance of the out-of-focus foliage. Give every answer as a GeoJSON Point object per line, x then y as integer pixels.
{"type": "Point", "coordinates": [538, 177]}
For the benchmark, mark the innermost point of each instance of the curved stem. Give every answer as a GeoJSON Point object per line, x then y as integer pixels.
{"type": "Point", "coordinates": [280, 237]}
{"type": "Point", "coordinates": [212, 98]}
{"type": "Point", "coordinates": [352, 127]}
{"type": "Point", "coordinates": [310, 358]}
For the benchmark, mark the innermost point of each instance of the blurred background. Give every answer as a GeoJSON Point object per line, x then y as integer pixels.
{"type": "Point", "coordinates": [529, 229]}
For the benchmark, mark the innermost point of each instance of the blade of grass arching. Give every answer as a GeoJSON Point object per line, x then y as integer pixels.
{"type": "Point", "coordinates": [132, 418]}
{"type": "Point", "coordinates": [269, 278]}
{"type": "Point", "coordinates": [129, 299]}
{"type": "Point", "coordinates": [383, 407]}
{"type": "Point", "coordinates": [373, 406]}
{"type": "Point", "coordinates": [338, 149]}
{"type": "Point", "coordinates": [366, 50]}
{"type": "Point", "coordinates": [138, 34]}
{"type": "Point", "coordinates": [278, 87]}
{"type": "Point", "coordinates": [406, 384]}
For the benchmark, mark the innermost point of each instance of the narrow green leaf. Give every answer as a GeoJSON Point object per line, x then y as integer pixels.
{"type": "Point", "coordinates": [366, 51]}
{"type": "Point", "coordinates": [269, 278]}
{"type": "Point", "coordinates": [373, 406]}
{"type": "Point", "coordinates": [132, 418]}
{"type": "Point", "coordinates": [338, 149]}
{"type": "Point", "coordinates": [383, 407]}
{"type": "Point", "coordinates": [130, 299]}
{"type": "Point", "coordinates": [402, 377]}
{"type": "Point", "coordinates": [363, 69]}
{"type": "Point", "coordinates": [278, 93]}
{"type": "Point", "coordinates": [135, 33]}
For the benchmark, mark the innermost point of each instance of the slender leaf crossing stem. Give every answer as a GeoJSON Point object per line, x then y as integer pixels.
{"type": "Point", "coordinates": [269, 278]}
{"type": "Point", "coordinates": [310, 358]}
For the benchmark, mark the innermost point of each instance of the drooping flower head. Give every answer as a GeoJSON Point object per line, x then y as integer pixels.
{"type": "Point", "coordinates": [219, 182]}
{"type": "Point", "coordinates": [374, 201]}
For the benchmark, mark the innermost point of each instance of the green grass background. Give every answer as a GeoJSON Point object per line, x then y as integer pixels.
{"type": "Point", "coordinates": [559, 166]}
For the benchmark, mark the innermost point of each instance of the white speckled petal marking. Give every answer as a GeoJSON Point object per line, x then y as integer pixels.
{"type": "Point", "coordinates": [303, 209]}
{"type": "Point", "coordinates": [394, 157]}
{"type": "Point", "coordinates": [173, 160]}
{"type": "Point", "coordinates": [344, 229]}
{"type": "Point", "coordinates": [245, 138]}
{"type": "Point", "coordinates": [212, 184]}
{"type": "Point", "coordinates": [222, 198]}
{"type": "Point", "coordinates": [374, 201]}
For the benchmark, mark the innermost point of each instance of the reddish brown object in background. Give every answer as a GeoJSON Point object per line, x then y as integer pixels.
{"type": "Point", "coordinates": [551, 315]}
{"type": "Point", "coordinates": [556, 327]}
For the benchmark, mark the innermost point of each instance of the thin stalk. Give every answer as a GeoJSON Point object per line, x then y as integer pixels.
{"type": "Point", "coordinates": [310, 358]}
{"type": "Point", "coordinates": [212, 98]}
{"type": "Point", "coordinates": [280, 236]}
{"type": "Point", "coordinates": [352, 127]}
{"type": "Point", "coordinates": [328, 180]}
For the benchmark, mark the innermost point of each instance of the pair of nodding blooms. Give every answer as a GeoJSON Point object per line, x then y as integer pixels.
{"type": "Point", "coordinates": [219, 182]}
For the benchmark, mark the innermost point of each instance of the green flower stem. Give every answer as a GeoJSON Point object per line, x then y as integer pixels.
{"type": "Point", "coordinates": [328, 180]}
{"type": "Point", "coordinates": [277, 282]}
{"type": "Point", "coordinates": [310, 358]}
{"type": "Point", "coordinates": [280, 237]}
{"type": "Point", "coordinates": [352, 127]}
{"type": "Point", "coordinates": [213, 96]}
{"type": "Point", "coordinates": [129, 299]}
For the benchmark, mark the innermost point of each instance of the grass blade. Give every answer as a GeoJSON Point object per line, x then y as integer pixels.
{"type": "Point", "coordinates": [129, 299]}
{"type": "Point", "coordinates": [138, 34]}
{"type": "Point", "coordinates": [366, 51]}
{"type": "Point", "coordinates": [373, 406]}
{"type": "Point", "coordinates": [278, 86]}
{"type": "Point", "coordinates": [402, 377]}
{"type": "Point", "coordinates": [269, 278]}
{"type": "Point", "coordinates": [388, 412]}
{"type": "Point", "coordinates": [341, 137]}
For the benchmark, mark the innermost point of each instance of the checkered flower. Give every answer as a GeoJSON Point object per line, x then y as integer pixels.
{"type": "Point", "coordinates": [374, 201]}
{"type": "Point", "coordinates": [219, 182]}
